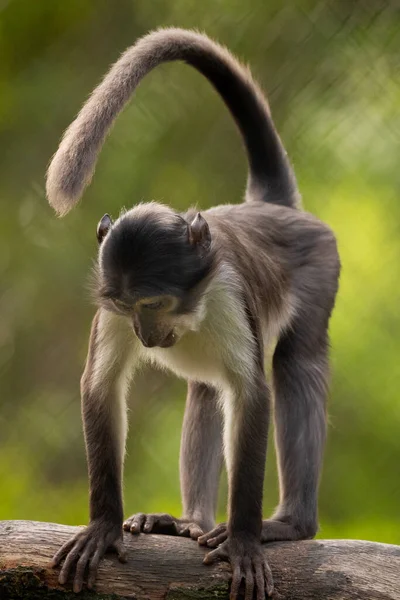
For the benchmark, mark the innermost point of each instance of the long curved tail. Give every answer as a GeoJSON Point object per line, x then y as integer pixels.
{"type": "Point", "coordinates": [271, 177]}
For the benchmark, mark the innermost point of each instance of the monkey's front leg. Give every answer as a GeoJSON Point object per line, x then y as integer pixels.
{"type": "Point", "coordinates": [246, 429]}
{"type": "Point", "coordinates": [103, 388]}
{"type": "Point", "coordinates": [200, 465]}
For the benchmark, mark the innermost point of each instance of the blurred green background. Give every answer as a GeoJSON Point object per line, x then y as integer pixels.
{"type": "Point", "coordinates": [332, 74]}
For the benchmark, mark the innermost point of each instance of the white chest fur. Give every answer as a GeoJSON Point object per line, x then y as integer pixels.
{"type": "Point", "coordinates": [222, 346]}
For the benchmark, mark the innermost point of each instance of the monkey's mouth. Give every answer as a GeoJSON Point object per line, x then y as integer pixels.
{"type": "Point", "coordinates": [167, 342]}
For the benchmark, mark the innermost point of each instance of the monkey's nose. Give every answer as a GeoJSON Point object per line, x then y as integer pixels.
{"type": "Point", "coordinates": [150, 340]}
{"type": "Point", "coordinates": [169, 340]}
{"type": "Point", "coordinates": [154, 340]}
{"type": "Point", "coordinates": [149, 343]}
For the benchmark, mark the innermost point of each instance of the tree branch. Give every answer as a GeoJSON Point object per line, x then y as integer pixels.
{"type": "Point", "coordinates": [170, 568]}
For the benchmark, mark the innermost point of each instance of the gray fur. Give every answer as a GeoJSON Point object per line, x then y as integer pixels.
{"type": "Point", "coordinates": [271, 177]}
{"type": "Point", "coordinates": [105, 469]}
{"type": "Point", "coordinates": [201, 455]}
{"type": "Point", "coordinates": [229, 282]}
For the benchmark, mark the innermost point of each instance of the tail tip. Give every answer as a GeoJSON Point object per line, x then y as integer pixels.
{"type": "Point", "coordinates": [59, 197]}
{"type": "Point", "coordinates": [65, 184]}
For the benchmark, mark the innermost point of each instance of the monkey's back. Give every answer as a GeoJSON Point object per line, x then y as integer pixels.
{"type": "Point", "coordinates": [281, 252]}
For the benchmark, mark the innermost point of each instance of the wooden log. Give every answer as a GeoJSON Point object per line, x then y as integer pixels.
{"type": "Point", "coordinates": [170, 568]}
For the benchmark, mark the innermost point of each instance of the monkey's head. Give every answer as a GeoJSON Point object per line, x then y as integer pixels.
{"type": "Point", "coordinates": [153, 267]}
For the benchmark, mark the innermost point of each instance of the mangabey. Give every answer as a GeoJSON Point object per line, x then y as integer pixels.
{"type": "Point", "coordinates": [202, 295]}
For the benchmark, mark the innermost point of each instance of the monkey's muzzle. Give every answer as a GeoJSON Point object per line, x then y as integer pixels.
{"type": "Point", "coordinates": [154, 341]}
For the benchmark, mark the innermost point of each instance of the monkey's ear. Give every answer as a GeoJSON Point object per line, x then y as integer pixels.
{"type": "Point", "coordinates": [199, 232]}
{"type": "Point", "coordinates": [103, 227]}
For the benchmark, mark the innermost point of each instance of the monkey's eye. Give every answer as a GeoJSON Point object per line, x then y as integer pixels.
{"type": "Point", "coordinates": [156, 304]}
{"type": "Point", "coordinates": [121, 305]}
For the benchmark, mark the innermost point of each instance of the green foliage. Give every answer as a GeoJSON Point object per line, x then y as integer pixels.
{"type": "Point", "coordinates": [332, 74]}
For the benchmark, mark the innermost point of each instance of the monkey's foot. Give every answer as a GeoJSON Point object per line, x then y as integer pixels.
{"type": "Point", "coordinates": [215, 537]}
{"type": "Point", "coordinates": [244, 553]}
{"type": "Point", "coordinates": [84, 551]}
{"type": "Point", "coordinates": [276, 530]}
{"type": "Point", "coordinates": [273, 530]}
{"type": "Point", "coordinates": [164, 524]}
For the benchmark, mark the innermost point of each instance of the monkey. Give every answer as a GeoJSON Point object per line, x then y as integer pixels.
{"type": "Point", "coordinates": [203, 294]}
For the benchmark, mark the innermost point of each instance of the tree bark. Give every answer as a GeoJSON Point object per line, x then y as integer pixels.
{"type": "Point", "coordinates": [170, 568]}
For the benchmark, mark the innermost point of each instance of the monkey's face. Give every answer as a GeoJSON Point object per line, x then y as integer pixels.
{"type": "Point", "coordinates": [162, 320]}
{"type": "Point", "coordinates": [152, 269]}
{"type": "Point", "coordinates": [152, 319]}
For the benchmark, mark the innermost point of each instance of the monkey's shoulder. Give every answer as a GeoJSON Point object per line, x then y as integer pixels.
{"type": "Point", "coordinates": [280, 235]}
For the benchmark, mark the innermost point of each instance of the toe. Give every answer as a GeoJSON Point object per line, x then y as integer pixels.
{"type": "Point", "coordinates": [259, 581]}
{"type": "Point", "coordinates": [269, 582]}
{"type": "Point", "coordinates": [119, 548]}
{"type": "Point", "coordinates": [237, 576]}
{"type": "Point", "coordinates": [94, 564]}
{"type": "Point", "coordinates": [149, 523]}
{"type": "Point", "coordinates": [57, 558]}
{"type": "Point", "coordinates": [135, 523]}
{"type": "Point", "coordinates": [70, 560]}
{"type": "Point", "coordinates": [195, 531]}
{"type": "Point", "coordinates": [215, 556]}
{"type": "Point", "coordinates": [210, 535]}
{"type": "Point", "coordinates": [216, 541]}
{"type": "Point", "coordinates": [81, 566]}
{"type": "Point", "coordinates": [249, 583]}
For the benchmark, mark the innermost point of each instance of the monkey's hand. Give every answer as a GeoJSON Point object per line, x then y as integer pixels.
{"type": "Point", "coordinates": [86, 549]}
{"type": "Point", "coordinates": [244, 553]}
{"type": "Point", "coordinates": [164, 524]}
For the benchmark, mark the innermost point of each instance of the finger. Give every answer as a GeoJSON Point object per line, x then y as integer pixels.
{"type": "Point", "coordinates": [70, 560]}
{"type": "Point", "coordinates": [81, 566]}
{"type": "Point", "coordinates": [249, 584]}
{"type": "Point", "coordinates": [269, 582]}
{"type": "Point", "coordinates": [151, 520]}
{"type": "Point", "coordinates": [57, 558]}
{"type": "Point", "coordinates": [94, 564]}
{"type": "Point", "coordinates": [203, 539]}
{"type": "Point", "coordinates": [216, 541]}
{"type": "Point", "coordinates": [119, 548]}
{"type": "Point", "coordinates": [260, 583]}
{"type": "Point", "coordinates": [237, 576]}
{"type": "Point", "coordinates": [215, 556]}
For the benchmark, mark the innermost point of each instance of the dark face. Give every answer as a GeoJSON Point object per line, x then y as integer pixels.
{"type": "Point", "coordinates": [151, 269]}
{"type": "Point", "coordinates": [154, 320]}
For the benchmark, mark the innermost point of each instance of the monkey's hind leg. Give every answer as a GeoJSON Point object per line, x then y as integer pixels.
{"type": "Point", "coordinates": [200, 466]}
{"type": "Point", "coordinates": [300, 376]}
